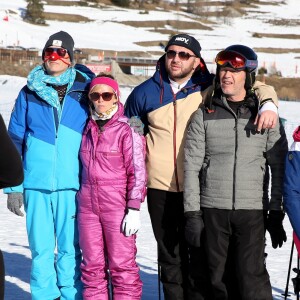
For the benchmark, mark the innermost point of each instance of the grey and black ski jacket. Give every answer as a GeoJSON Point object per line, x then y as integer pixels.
{"type": "Point", "coordinates": [226, 159]}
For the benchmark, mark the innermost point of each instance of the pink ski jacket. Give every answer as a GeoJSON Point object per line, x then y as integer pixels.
{"type": "Point", "coordinates": [114, 156]}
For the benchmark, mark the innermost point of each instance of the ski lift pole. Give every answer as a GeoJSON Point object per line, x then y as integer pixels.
{"type": "Point", "coordinates": [286, 293]}
{"type": "Point", "coordinates": [110, 288]}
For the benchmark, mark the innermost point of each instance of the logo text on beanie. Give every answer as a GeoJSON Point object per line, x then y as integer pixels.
{"type": "Point", "coordinates": [182, 39]}
{"type": "Point", "coordinates": [57, 43]}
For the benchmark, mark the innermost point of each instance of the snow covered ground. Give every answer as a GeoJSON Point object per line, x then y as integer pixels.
{"type": "Point", "coordinates": [13, 239]}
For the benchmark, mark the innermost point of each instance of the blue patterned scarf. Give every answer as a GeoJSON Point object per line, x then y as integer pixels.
{"type": "Point", "coordinates": [40, 82]}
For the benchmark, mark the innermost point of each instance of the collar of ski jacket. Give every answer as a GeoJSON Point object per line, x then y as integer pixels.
{"type": "Point", "coordinates": [41, 83]}
{"type": "Point", "coordinates": [201, 78]}
{"type": "Point", "coordinates": [296, 134]}
{"type": "Point", "coordinates": [92, 125]}
{"type": "Point", "coordinates": [219, 99]}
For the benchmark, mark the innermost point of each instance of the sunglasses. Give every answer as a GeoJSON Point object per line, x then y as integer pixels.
{"type": "Point", "coordinates": [182, 55]}
{"type": "Point", "coordinates": [235, 60]}
{"type": "Point", "coordinates": [60, 51]}
{"type": "Point", "coordinates": [106, 96]}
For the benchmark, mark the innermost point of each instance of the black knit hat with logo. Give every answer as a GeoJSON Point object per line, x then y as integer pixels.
{"type": "Point", "coordinates": [60, 39]}
{"type": "Point", "coordinates": [187, 41]}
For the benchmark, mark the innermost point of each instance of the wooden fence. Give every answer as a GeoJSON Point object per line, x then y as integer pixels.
{"type": "Point", "coordinates": [18, 56]}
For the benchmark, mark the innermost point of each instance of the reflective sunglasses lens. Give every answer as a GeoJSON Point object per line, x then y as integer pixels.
{"type": "Point", "coordinates": [48, 51]}
{"type": "Point", "coordinates": [234, 59]}
{"type": "Point", "coordinates": [106, 96]}
{"type": "Point", "coordinates": [94, 96]}
{"type": "Point", "coordinates": [182, 55]}
{"type": "Point", "coordinates": [171, 54]}
{"type": "Point", "coordinates": [60, 51]}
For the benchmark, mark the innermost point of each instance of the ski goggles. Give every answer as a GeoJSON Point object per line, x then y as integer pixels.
{"type": "Point", "coordinates": [106, 96]}
{"type": "Point", "coordinates": [235, 60]}
{"type": "Point", "coordinates": [171, 54]}
{"type": "Point", "coordinates": [59, 51]}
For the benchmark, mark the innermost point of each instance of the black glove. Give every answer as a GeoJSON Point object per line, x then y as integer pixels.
{"type": "Point", "coordinates": [193, 227]}
{"type": "Point", "coordinates": [15, 202]}
{"type": "Point", "coordinates": [275, 228]}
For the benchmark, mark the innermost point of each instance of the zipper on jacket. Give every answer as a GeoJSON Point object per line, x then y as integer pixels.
{"type": "Point", "coordinates": [174, 144]}
{"type": "Point", "coordinates": [235, 153]}
{"type": "Point", "coordinates": [55, 117]}
{"type": "Point", "coordinates": [58, 117]}
{"type": "Point", "coordinates": [235, 150]}
{"type": "Point", "coordinates": [56, 135]}
{"type": "Point", "coordinates": [54, 110]}
{"type": "Point", "coordinates": [55, 147]}
{"type": "Point", "coordinates": [95, 140]}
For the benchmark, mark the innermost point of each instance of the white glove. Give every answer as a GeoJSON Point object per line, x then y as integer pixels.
{"type": "Point", "coordinates": [131, 223]}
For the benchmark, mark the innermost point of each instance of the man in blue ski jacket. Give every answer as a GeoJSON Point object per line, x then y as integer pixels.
{"type": "Point", "coordinates": [46, 125]}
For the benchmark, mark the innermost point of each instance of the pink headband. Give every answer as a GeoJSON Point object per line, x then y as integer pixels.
{"type": "Point", "coordinates": [108, 81]}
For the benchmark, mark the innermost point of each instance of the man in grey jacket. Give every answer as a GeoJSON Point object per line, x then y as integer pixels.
{"type": "Point", "coordinates": [232, 159]}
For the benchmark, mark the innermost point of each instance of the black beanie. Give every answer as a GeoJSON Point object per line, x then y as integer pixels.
{"type": "Point", "coordinates": [60, 39]}
{"type": "Point", "coordinates": [187, 41]}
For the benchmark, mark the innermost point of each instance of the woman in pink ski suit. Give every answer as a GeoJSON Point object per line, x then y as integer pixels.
{"type": "Point", "coordinates": [112, 189]}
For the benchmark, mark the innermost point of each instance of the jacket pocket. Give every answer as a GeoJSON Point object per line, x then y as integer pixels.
{"type": "Point", "coordinates": [114, 159]}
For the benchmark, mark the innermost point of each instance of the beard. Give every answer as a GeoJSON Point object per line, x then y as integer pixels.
{"type": "Point", "coordinates": [179, 73]}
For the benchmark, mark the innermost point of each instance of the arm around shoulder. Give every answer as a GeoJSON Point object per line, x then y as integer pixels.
{"type": "Point", "coordinates": [265, 93]}
{"type": "Point", "coordinates": [268, 106]}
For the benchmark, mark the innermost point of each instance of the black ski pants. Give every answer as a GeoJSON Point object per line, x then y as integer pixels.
{"type": "Point", "coordinates": [183, 271]}
{"type": "Point", "coordinates": [243, 232]}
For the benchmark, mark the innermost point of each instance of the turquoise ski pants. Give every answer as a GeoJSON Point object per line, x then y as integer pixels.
{"type": "Point", "coordinates": [51, 223]}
